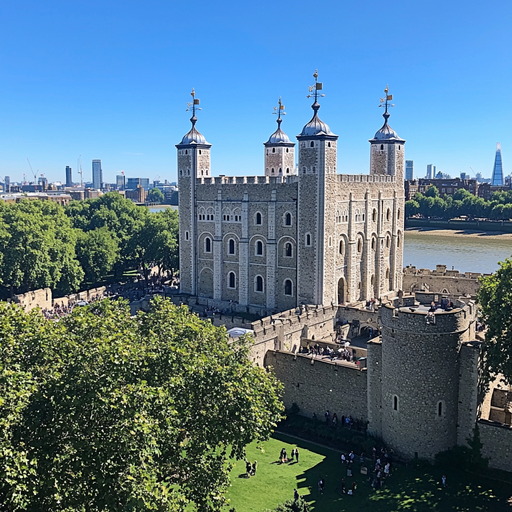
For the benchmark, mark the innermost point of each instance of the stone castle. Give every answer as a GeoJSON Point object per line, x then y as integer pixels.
{"type": "Point", "coordinates": [305, 247]}
{"type": "Point", "coordinates": [304, 235]}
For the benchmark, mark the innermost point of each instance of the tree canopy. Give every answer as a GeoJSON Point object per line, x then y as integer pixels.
{"type": "Point", "coordinates": [155, 195]}
{"type": "Point", "coordinates": [43, 244]}
{"type": "Point", "coordinates": [462, 202]}
{"type": "Point", "coordinates": [495, 297]}
{"type": "Point", "coordinates": [104, 411]}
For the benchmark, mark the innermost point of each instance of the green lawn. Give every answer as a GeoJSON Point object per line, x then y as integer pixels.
{"type": "Point", "coordinates": [408, 489]}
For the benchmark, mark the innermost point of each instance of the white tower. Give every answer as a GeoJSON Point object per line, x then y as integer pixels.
{"type": "Point", "coordinates": [279, 151]}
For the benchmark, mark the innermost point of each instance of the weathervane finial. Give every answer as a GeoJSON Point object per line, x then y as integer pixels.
{"type": "Point", "coordinates": [191, 106]}
{"type": "Point", "coordinates": [313, 91]}
{"type": "Point", "coordinates": [384, 102]}
{"type": "Point", "coordinates": [279, 110]}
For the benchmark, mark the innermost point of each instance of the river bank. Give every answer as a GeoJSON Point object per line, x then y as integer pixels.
{"type": "Point", "coordinates": [464, 233]}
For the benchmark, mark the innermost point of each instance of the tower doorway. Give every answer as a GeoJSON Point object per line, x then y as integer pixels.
{"type": "Point", "coordinates": [341, 290]}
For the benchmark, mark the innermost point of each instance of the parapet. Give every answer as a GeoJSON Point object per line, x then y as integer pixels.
{"type": "Point", "coordinates": [411, 313]}
{"type": "Point", "coordinates": [366, 178]}
{"type": "Point", "coordinates": [246, 180]}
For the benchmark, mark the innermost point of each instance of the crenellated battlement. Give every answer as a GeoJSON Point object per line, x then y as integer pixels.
{"type": "Point", "coordinates": [366, 178]}
{"type": "Point", "coordinates": [409, 314]}
{"type": "Point", "coordinates": [246, 180]}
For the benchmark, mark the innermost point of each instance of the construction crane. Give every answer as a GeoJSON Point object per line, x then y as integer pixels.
{"type": "Point", "coordinates": [79, 165]}
{"type": "Point", "coordinates": [33, 173]}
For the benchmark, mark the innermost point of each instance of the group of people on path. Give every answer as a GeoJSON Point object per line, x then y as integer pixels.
{"type": "Point", "coordinates": [346, 421]}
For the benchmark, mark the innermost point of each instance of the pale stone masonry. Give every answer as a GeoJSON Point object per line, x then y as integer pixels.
{"type": "Point", "coordinates": [304, 235]}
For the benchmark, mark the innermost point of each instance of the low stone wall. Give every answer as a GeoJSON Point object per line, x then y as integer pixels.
{"type": "Point", "coordinates": [38, 298]}
{"type": "Point", "coordinates": [316, 386]}
{"type": "Point", "coordinates": [364, 316]}
{"type": "Point", "coordinates": [441, 280]}
{"type": "Point", "coordinates": [497, 444]}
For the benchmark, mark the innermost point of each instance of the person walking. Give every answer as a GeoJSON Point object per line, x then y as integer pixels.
{"type": "Point", "coordinates": [295, 495]}
{"type": "Point", "coordinates": [254, 467]}
{"type": "Point", "coordinates": [293, 454]}
{"type": "Point", "coordinates": [297, 454]}
{"type": "Point", "coordinates": [443, 480]}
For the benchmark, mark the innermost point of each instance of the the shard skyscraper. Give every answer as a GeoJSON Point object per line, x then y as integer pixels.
{"type": "Point", "coordinates": [497, 172]}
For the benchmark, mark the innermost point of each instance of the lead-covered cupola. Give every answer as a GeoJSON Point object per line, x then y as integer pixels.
{"type": "Point", "coordinates": [279, 150]}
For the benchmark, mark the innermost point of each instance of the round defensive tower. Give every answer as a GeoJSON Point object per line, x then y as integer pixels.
{"type": "Point", "coordinates": [420, 373]}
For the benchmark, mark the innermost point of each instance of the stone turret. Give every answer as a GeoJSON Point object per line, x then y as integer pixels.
{"type": "Point", "coordinates": [316, 206]}
{"type": "Point", "coordinates": [387, 148]}
{"type": "Point", "coordinates": [415, 400]}
{"type": "Point", "coordinates": [279, 150]}
{"type": "Point", "coordinates": [193, 162]}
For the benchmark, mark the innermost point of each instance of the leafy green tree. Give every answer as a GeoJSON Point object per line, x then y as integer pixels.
{"type": "Point", "coordinates": [412, 207]}
{"type": "Point", "coordinates": [97, 252]}
{"type": "Point", "coordinates": [495, 297]}
{"type": "Point", "coordinates": [155, 242]}
{"type": "Point", "coordinates": [39, 250]}
{"type": "Point", "coordinates": [432, 191]}
{"type": "Point", "coordinates": [118, 413]}
{"type": "Point", "coordinates": [155, 195]}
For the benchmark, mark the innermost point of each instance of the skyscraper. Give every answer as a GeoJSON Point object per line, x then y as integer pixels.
{"type": "Point", "coordinates": [497, 172]}
{"type": "Point", "coordinates": [69, 176]}
{"type": "Point", "coordinates": [7, 184]}
{"type": "Point", "coordinates": [409, 170]}
{"type": "Point", "coordinates": [97, 174]}
{"type": "Point", "coordinates": [120, 182]}
{"type": "Point", "coordinates": [431, 171]}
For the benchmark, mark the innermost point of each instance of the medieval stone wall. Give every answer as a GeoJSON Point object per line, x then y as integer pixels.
{"type": "Point", "coordinates": [316, 386]}
{"type": "Point", "coordinates": [497, 444]}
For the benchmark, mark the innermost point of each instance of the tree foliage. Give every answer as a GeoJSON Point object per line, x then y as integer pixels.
{"type": "Point", "coordinates": [495, 297]}
{"type": "Point", "coordinates": [463, 203]}
{"type": "Point", "coordinates": [43, 244]}
{"type": "Point", "coordinates": [155, 195]}
{"type": "Point", "coordinates": [37, 243]}
{"type": "Point", "coordinates": [102, 411]}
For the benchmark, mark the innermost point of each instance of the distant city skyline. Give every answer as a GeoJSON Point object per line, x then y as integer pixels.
{"type": "Point", "coordinates": [123, 97]}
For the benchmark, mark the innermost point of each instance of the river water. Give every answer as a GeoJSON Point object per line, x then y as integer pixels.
{"type": "Point", "coordinates": [464, 253]}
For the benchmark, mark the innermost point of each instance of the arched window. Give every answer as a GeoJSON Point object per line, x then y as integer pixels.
{"type": "Point", "coordinates": [273, 150]}
{"type": "Point", "coordinates": [388, 214]}
{"type": "Point", "coordinates": [231, 280]}
{"type": "Point", "coordinates": [387, 241]}
{"type": "Point", "coordinates": [186, 235]}
{"type": "Point", "coordinates": [186, 152]}
{"type": "Point", "coordinates": [359, 245]}
{"type": "Point", "coordinates": [280, 170]}
{"type": "Point", "coordinates": [287, 169]}
{"type": "Point", "coordinates": [374, 215]}
{"type": "Point", "coordinates": [288, 287]}
{"type": "Point", "coordinates": [328, 144]}
{"type": "Point", "coordinates": [259, 284]}
{"type": "Point", "coordinates": [258, 218]}
{"type": "Point", "coordinates": [372, 280]}
{"type": "Point", "coordinates": [288, 250]}
{"type": "Point", "coordinates": [373, 243]}
{"type": "Point", "coordinates": [382, 147]}
{"type": "Point", "coordinates": [259, 248]}
{"type": "Point", "coordinates": [439, 408]}
{"type": "Point", "coordinates": [312, 144]}
{"type": "Point", "coordinates": [342, 247]}
{"type": "Point", "coordinates": [308, 239]}
{"type": "Point", "coordinates": [398, 214]}
{"type": "Point", "coordinates": [387, 273]}
{"type": "Point", "coordinates": [395, 403]}
{"type": "Point", "coordinates": [231, 248]}
{"type": "Point", "coordinates": [398, 239]}
{"type": "Point", "coordinates": [287, 150]}
{"type": "Point", "coordinates": [288, 219]}
{"type": "Point", "coordinates": [207, 245]}
{"type": "Point", "coordinates": [272, 170]}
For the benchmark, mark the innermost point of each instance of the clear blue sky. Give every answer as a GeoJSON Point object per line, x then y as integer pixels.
{"type": "Point", "coordinates": [110, 79]}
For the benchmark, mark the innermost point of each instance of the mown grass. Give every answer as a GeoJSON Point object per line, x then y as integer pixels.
{"type": "Point", "coordinates": [414, 489]}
